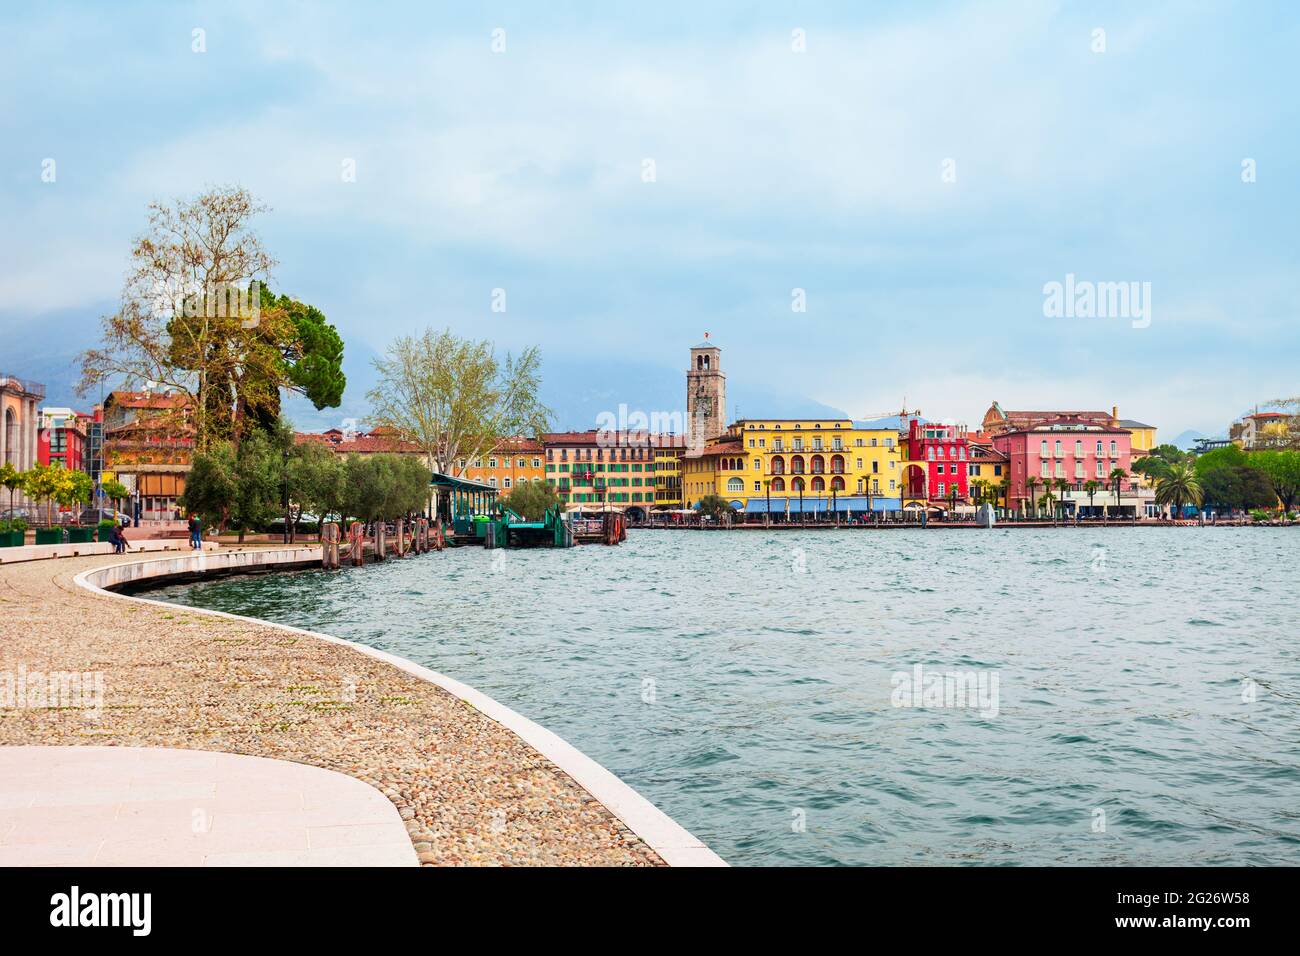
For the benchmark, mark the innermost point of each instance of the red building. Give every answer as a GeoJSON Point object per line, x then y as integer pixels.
{"type": "Point", "coordinates": [64, 438]}
{"type": "Point", "coordinates": [936, 459]}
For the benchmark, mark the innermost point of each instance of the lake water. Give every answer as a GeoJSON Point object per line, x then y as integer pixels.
{"type": "Point", "coordinates": [745, 682]}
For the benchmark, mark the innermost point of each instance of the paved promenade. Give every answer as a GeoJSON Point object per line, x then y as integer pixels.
{"type": "Point", "coordinates": [149, 806]}
{"type": "Point", "coordinates": [468, 790]}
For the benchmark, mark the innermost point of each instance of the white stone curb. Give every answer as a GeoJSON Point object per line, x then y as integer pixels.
{"type": "Point", "coordinates": [674, 844]}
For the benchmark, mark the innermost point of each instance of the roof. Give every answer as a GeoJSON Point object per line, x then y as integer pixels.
{"type": "Point", "coordinates": [440, 480]}
{"type": "Point", "coordinates": [1269, 415]}
{"type": "Point", "coordinates": [148, 399]}
{"type": "Point", "coordinates": [357, 444]}
{"type": "Point", "coordinates": [706, 344]}
{"type": "Point", "coordinates": [611, 439]}
{"type": "Point", "coordinates": [1068, 422]}
{"type": "Point", "coordinates": [717, 448]}
{"type": "Point", "coordinates": [517, 444]}
{"type": "Point", "coordinates": [1131, 423]}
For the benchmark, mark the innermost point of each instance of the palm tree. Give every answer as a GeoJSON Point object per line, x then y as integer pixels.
{"type": "Point", "coordinates": [1032, 484]}
{"type": "Point", "coordinates": [1005, 486]}
{"type": "Point", "coordinates": [1062, 486]}
{"type": "Point", "coordinates": [1091, 488]}
{"type": "Point", "coordinates": [1179, 487]}
{"type": "Point", "coordinates": [1047, 500]}
{"type": "Point", "coordinates": [1116, 476]}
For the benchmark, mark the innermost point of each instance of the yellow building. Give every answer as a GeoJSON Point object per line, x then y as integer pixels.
{"type": "Point", "coordinates": [823, 463]}
{"type": "Point", "coordinates": [668, 474]}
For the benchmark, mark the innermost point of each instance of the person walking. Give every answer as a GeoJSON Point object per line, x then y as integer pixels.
{"type": "Point", "coordinates": [196, 533]}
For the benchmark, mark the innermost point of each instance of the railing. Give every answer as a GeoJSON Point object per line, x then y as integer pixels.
{"type": "Point", "coordinates": [35, 389]}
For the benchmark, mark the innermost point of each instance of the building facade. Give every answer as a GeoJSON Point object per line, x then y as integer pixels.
{"type": "Point", "coordinates": [599, 469]}
{"type": "Point", "coordinates": [784, 466]}
{"type": "Point", "coordinates": [64, 438]}
{"type": "Point", "coordinates": [18, 428]}
{"type": "Point", "coordinates": [149, 447]}
{"type": "Point", "coordinates": [511, 463]}
{"type": "Point", "coordinates": [1075, 451]}
{"type": "Point", "coordinates": [937, 456]}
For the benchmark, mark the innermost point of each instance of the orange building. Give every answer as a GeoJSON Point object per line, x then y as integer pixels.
{"type": "Point", "coordinates": [149, 446]}
{"type": "Point", "coordinates": [512, 462]}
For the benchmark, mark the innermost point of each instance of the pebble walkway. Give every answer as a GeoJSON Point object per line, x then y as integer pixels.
{"type": "Point", "coordinates": [469, 791]}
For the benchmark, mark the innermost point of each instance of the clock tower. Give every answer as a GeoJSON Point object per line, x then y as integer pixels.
{"type": "Point", "coordinates": [706, 396]}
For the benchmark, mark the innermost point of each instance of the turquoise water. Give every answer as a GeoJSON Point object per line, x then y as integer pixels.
{"type": "Point", "coordinates": [742, 682]}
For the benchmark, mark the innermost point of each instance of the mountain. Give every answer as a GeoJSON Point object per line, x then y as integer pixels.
{"type": "Point", "coordinates": [1187, 440]}
{"type": "Point", "coordinates": [577, 388]}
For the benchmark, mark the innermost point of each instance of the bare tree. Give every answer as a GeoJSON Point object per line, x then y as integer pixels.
{"type": "Point", "coordinates": [453, 398]}
{"type": "Point", "coordinates": [183, 322]}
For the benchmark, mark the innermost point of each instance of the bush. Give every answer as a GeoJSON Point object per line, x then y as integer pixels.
{"type": "Point", "coordinates": [12, 524]}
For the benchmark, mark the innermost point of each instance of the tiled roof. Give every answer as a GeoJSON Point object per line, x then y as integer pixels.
{"type": "Point", "coordinates": [148, 399]}
{"type": "Point", "coordinates": [630, 439]}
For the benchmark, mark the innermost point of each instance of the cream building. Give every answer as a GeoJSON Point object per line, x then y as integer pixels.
{"type": "Point", "coordinates": [19, 417]}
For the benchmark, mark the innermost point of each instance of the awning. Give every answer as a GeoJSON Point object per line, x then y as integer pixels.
{"type": "Point", "coordinates": [819, 505]}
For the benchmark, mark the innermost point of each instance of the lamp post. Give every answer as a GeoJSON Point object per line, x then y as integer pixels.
{"type": "Point", "coordinates": [767, 515]}
{"type": "Point", "coordinates": [285, 493]}
{"type": "Point", "coordinates": [801, 518]}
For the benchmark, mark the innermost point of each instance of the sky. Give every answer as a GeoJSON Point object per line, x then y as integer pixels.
{"type": "Point", "coordinates": [914, 173]}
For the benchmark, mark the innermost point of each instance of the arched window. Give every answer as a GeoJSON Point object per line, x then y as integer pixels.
{"type": "Point", "coordinates": [837, 464]}
{"type": "Point", "coordinates": [11, 437]}
{"type": "Point", "coordinates": [818, 464]}
{"type": "Point", "coordinates": [699, 361]}
{"type": "Point", "coordinates": [837, 483]}
{"type": "Point", "coordinates": [796, 465]}
{"type": "Point", "coordinates": [796, 485]}
{"type": "Point", "coordinates": [735, 486]}
{"type": "Point", "coordinates": [778, 484]}
{"type": "Point", "coordinates": [778, 465]}
{"type": "Point", "coordinates": [819, 483]}
{"type": "Point", "coordinates": [931, 455]}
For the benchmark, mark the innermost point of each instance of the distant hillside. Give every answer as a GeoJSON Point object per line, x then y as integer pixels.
{"type": "Point", "coordinates": [578, 389]}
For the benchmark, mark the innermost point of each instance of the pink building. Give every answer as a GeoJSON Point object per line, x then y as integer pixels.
{"type": "Point", "coordinates": [1072, 448]}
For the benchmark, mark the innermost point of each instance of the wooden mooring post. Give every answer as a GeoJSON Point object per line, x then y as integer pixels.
{"type": "Point", "coordinates": [357, 544]}
{"type": "Point", "coordinates": [329, 546]}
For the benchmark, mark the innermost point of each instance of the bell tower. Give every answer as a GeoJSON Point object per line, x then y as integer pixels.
{"type": "Point", "coordinates": [706, 395]}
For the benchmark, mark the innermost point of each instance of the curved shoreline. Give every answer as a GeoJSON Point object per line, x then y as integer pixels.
{"type": "Point", "coordinates": [670, 841]}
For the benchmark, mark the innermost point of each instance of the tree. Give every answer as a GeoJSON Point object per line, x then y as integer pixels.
{"type": "Point", "coordinates": [11, 478]}
{"type": "Point", "coordinates": [1282, 469]}
{"type": "Point", "coordinates": [1117, 476]}
{"type": "Point", "coordinates": [453, 398]}
{"type": "Point", "coordinates": [74, 488]}
{"type": "Point", "coordinates": [409, 492]}
{"type": "Point", "coordinates": [236, 488]}
{"type": "Point", "coordinates": [315, 476]}
{"type": "Point", "coordinates": [715, 506]}
{"type": "Point", "coordinates": [195, 317]}
{"type": "Point", "coordinates": [369, 482]}
{"type": "Point", "coordinates": [1032, 484]}
{"type": "Point", "coordinates": [532, 499]}
{"type": "Point", "coordinates": [115, 492]}
{"type": "Point", "coordinates": [1005, 487]}
{"type": "Point", "coordinates": [1062, 486]}
{"type": "Point", "coordinates": [1179, 487]}
{"type": "Point", "coordinates": [1090, 488]}
{"type": "Point", "coordinates": [43, 483]}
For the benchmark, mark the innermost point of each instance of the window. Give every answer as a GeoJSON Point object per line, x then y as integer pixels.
{"type": "Point", "coordinates": [758, 464]}
{"type": "Point", "coordinates": [735, 486]}
{"type": "Point", "coordinates": [1114, 448]}
{"type": "Point", "coordinates": [492, 462]}
{"type": "Point", "coordinates": [537, 463]}
{"type": "Point", "coordinates": [939, 469]}
{"type": "Point", "coordinates": [492, 481]}
{"type": "Point", "coordinates": [941, 487]}
{"type": "Point", "coordinates": [891, 484]}
{"type": "Point", "coordinates": [1042, 448]}
{"type": "Point", "coordinates": [837, 444]}
{"type": "Point", "coordinates": [1058, 448]}
{"type": "Point", "coordinates": [817, 443]}
{"type": "Point", "coordinates": [751, 443]}
{"type": "Point", "coordinates": [1042, 470]}
{"type": "Point", "coordinates": [997, 469]}
{"type": "Point", "coordinates": [873, 443]}
{"type": "Point", "coordinates": [757, 487]}
{"type": "Point", "coordinates": [798, 444]}
{"type": "Point", "coordinates": [506, 481]}
{"type": "Point", "coordinates": [1098, 449]}
{"type": "Point", "coordinates": [930, 454]}
{"type": "Point", "coordinates": [1078, 448]}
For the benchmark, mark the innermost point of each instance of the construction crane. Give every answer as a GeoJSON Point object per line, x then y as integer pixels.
{"type": "Point", "coordinates": [901, 413]}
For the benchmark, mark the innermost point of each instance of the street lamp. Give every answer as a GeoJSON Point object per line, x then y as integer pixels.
{"type": "Point", "coordinates": [767, 515]}
{"type": "Point", "coordinates": [285, 494]}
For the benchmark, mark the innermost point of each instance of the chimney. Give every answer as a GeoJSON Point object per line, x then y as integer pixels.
{"type": "Point", "coordinates": [1114, 415]}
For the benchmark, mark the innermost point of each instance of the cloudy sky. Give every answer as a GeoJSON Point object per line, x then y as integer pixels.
{"type": "Point", "coordinates": [920, 170]}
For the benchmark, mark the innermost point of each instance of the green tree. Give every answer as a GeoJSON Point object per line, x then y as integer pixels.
{"type": "Point", "coordinates": [454, 398]}
{"type": "Point", "coordinates": [1090, 488]}
{"type": "Point", "coordinates": [11, 478]}
{"type": "Point", "coordinates": [42, 483]}
{"type": "Point", "coordinates": [532, 499]}
{"type": "Point", "coordinates": [1117, 476]}
{"type": "Point", "coordinates": [409, 493]}
{"type": "Point", "coordinates": [1282, 469]}
{"type": "Point", "coordinates": [236, 488]}
{"type": "Point", "coordinates": [210, 487]}
{"type": "Point", "coordinates": [192, 319]}
{"type": "Point", "coordinates": [714, 506]}
{"type": "Point", "coordinates": [115, 492]}
{"type": "Point", "coordinates": [369, 483]}
{"type": "Point", "coordinates": [1032, 484]}
{"type": "Point", "coordinates": [316, 476]}
{"type": "Point", "coordinates": [75, 488]}
{"type": "Point", "coordinates": [1179, 487]}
